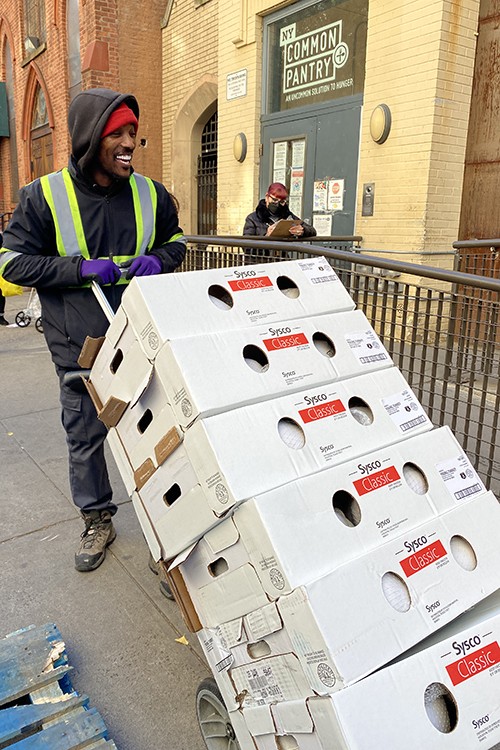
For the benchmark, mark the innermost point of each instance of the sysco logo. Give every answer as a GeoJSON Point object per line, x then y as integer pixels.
{"type": "Point", "coordinates": [478, 723]}
{"type": "Point", "coordinates": [366, 468]}
{"type": "Point", "coordinates": [279, 331]}
{"type": "Point", "coordinates": [461, 647]}
{"type": "Point", "coordinates": [415, 544]}
{"type": "Point", "coordinates": [244, 274]}
{"type": "Point", "coordinates": [311, 400]}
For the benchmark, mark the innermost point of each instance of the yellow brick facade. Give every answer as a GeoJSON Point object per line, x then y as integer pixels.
{"type": "Point", "coordinates": [419, 61]}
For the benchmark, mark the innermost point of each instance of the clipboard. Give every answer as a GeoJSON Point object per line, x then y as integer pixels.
{"type": "Point", "coordinates": [281, 228]}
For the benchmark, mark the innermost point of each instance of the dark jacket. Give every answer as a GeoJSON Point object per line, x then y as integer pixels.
{"type": "Point", "coordinates": [256, 223]}
{"type": "Point", "coordinates": [71, 313]}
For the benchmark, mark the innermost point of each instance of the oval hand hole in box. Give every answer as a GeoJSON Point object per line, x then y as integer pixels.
{"type": "Point", "coordinates": [291, 433]}
{"type": "Point", "coordinates": [172, 494]}
{"type": "Point", "coordinates": [415, 478]}
{"type": "Point", "coordinates": [288, 287]}
{"type": "Point", "coordinates": [396, 592]}
{"type": "Point", "coordinates": [346, 508]}
{"type": "Point", "coordinates": [218, 567]}
{"type": "Point", "coordinates": [324, 344]}
{"type": "Point", "coordinates": [145, 421]}
{"type": "Point", "coordinates": [220, 297]}
{"type": "Point", "coordinates": [116, 361]}
{"type": "Point", "coordinates": [360, 411]}
{"type": "Point", "coordinates": [258, 650]}
{"type": "Point", "coordinates": [463, 553]}
{"type": "Point", "coordinates": [255, 358]}
{"type": "Point", "coordinates": [440, 707]}
{"type": "Point", "coordinates": [286, 742]}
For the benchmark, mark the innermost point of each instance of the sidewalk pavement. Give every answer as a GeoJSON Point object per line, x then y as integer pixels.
{"type": "Point", "coordinates": [118, 628]}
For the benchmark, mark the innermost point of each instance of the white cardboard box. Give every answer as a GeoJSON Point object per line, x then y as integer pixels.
{"type": "Point", "coordinates": [247, 451]}
{"type": "Point", "coordinates": [372, 609]}
{"type": "Point", "coordinates": [244, 641]}
{"type": "Point", "coordinates": [299, 532]}
{"type": "Point", "coordinates": [170, 306]}
{"type": "Point", "coordinates": [448, 694]}
{"type": "Point", "coordinates": [253, 364]}
{"type": "Point", "coordinates": [347, 624]}
{"type": "Point", "coordinates": [148, 428]}
{"type": "Point", "coordinates": [240, 453]}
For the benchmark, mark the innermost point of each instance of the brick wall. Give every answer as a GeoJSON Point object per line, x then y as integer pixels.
{"type": "Point", "coordinates": [420, 60]}
{"type": "Point", "coordinates": [120, 46]}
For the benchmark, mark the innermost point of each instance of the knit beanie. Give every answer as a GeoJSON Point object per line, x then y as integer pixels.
{"type": "Point", "coordinates": [122, 115]}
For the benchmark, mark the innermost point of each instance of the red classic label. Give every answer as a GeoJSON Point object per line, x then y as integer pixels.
{"type": "Point", "coordinates": [322, 410]}
{"type": "Point", "coordinates": [241, 285]}
{"type": "Point", "coordinates": [424, 557]}
{"type": "Point", "coordinates": [474, 663]}
{"type": "Point", "coordinates": [374, 481]}
{"type": "Point", "coordinates": [284, 342]}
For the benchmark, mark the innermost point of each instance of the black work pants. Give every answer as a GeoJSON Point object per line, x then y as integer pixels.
{"type": "Point", "coordinates": [85, 436]}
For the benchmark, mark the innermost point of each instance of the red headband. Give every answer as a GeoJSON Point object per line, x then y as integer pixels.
{"type": "Point", "coordinates": [122, 115]}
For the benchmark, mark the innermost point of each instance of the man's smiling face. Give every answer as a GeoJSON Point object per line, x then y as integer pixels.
{"type": "Point", "coordinates": [115, 155]}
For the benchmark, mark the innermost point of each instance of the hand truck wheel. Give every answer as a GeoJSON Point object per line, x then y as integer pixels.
{"type": "Point", "coordinates": [39, 325]}
{"type": "Point", "coordinates": [213, 718]}
{"type": "Point", "coordinates": [22, 319]}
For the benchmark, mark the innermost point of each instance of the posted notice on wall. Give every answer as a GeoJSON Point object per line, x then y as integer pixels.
{"type": "Point", "coordinates": [236, 84]}
{"type": "Point", "coordinates": [323, 224]}
{"type": "Point", "coordinates": [320, 196]}
{"type": "Point", "coordinates": [335, 195]}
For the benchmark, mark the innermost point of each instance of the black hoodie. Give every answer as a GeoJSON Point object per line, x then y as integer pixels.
{"type": "Point", "coordinates": [71, 313]}
{"type": "Point", "coordinates": [88, 114]}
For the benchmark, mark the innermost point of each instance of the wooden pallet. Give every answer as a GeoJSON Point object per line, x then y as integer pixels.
{"type": "Point", "coordinates": [39, 710]}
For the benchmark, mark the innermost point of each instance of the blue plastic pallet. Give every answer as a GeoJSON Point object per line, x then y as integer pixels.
{"type": "Point", "coordinates": [39, 710]}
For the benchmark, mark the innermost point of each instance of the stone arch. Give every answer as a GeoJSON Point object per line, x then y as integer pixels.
{"type": "Point", "coordinates": [192, 114]}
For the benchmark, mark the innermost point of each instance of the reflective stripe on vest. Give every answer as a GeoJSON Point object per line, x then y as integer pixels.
{"type": "Point", "coordinates": [59, 192]}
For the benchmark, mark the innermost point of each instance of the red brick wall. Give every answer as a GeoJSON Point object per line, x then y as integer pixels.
{"type": "Point", "coordinates": [120, 44]}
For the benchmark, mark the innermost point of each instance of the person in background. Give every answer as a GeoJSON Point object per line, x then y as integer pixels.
{"type": "Point", "coordinates": [84, 223]}
{"type": "Point", "coordinates": [272, 208]}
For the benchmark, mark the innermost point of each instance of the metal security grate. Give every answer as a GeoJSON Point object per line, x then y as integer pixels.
{"type": "Point", "coordinates": [207, 179]}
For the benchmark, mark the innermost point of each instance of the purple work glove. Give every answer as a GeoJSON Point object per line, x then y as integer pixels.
{"type": "Point", "coordinates": [143, 265]}
{"type": "Point", "coordinates": [102, 271]}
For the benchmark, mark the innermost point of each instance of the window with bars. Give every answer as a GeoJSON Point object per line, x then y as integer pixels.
{"type": "Point", "coordinates": [207, 179]}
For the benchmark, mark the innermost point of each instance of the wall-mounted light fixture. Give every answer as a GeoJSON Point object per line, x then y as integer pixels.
{"type": "Point", "coordinates": [380, 123]}
{"type": "Point", "coordinates": [240, 147]}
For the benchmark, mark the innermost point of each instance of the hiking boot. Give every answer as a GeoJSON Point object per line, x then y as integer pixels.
{"type": "Point", "coordinates": [3, 322]}
{"type": "Point", "coordinates": [157, 569]}
{"type": "Point", "coordinates": [99, 533]}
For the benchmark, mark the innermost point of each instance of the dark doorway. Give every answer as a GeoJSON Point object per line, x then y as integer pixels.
{"type": "Point", "coordinates": [207, 179]}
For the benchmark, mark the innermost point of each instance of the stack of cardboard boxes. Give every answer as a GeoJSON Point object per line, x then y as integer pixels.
{"type": "Point", "coordinates": [315, 525]}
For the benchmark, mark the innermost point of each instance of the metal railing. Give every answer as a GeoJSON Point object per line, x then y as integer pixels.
{"type": "Point", "coordinates": [479, 257]}
{"type": "Point", "coordinates": [442, 328]}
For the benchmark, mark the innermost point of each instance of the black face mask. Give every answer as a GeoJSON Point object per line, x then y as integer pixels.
{"type": "Point", "coordinates": [273, 208]}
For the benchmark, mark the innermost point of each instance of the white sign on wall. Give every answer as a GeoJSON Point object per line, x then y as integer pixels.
{"type": "Point", "coordinates": [236, 84]}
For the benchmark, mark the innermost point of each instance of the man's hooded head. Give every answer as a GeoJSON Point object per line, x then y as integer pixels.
{"type": "Point", "coordinates": [88, 117]}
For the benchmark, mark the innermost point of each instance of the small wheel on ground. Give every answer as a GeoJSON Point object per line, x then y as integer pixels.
{"type": "Point", "coordinates": [39, 325]}
{"type": "Point", "coordinates": [213, 718]}
{"type": "Point", "coordinates": [22, 319]}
